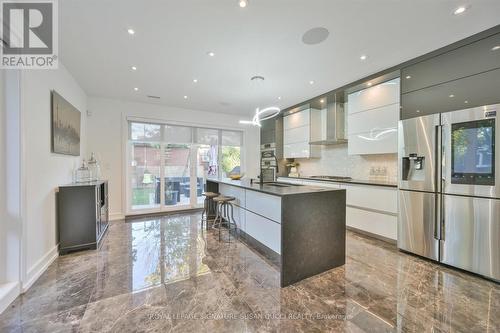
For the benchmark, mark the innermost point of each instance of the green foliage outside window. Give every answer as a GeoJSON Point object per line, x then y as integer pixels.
{"type": "Point", "coordinates": [231, 157]}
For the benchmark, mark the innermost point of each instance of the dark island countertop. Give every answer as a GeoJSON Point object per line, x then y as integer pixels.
{"type": "Point", "coordinates": [351, 181]}
{"type": "Point", "coordinates": [269, 188]}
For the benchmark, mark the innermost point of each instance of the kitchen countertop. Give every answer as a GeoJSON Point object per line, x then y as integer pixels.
{"type": "Point", "coordinates": [352, 181]}
{"type": "Point", "coordinates": [273, 190]}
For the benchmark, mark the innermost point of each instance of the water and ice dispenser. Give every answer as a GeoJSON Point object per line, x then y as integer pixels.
{"type": "Point", "coordinates": [413, 167]}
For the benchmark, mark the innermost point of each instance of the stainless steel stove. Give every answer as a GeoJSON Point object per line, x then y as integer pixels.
{"type": "Point", "coordinates": [332, 177]}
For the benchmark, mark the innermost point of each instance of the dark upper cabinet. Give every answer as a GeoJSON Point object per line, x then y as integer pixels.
{"type": "Point", "coordinates": [476, 90]}
{"type": "Point", "coordinates": [468, 60]}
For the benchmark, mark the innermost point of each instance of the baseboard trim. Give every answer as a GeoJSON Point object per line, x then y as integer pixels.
{"type": "Point", "coordinates": [37, 270]}
{"type": "Point", "coordinates": [8, 293]}
{"type": "Point", "coordinates": [116, 216]}
{"type": "Point", "coordinates": [372, 235]}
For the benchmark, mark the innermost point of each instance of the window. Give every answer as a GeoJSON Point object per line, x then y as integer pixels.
{"type": "Point", "coordinates": [168, 164]}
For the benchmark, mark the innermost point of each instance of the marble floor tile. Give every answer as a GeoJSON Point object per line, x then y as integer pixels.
{"type": "Point", "coordinates": [166, 274]}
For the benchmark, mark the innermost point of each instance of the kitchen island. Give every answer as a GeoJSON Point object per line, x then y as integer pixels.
{"type": "Point", "coordinates": [300, 228]}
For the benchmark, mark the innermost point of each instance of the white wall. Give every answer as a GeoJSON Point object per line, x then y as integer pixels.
{"type": "Point", "coordinates": [43, 171]}
{"type": "Point", "coordinates": [105, 138]}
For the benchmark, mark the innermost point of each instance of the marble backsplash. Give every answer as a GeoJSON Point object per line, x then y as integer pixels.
{"type": "Point", "coordinates": [335, 161]}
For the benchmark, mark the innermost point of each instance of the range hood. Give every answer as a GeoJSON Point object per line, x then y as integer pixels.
{"type": "Point", "coordinates": [332, 125]}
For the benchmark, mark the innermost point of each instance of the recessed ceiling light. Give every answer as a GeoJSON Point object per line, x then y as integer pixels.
{"type": "Point", "coordinates": [466, 102]}
{"type": "Point", "coordinates": [195, 80]}
{"type": "Point", "coordinates": [211, 54]}
{"type": "Point", "coordinates": [408, 77]}
{"type": "Point", "coordinates": [369, 84]}
{"type": "Point", "coordinates": [363, 57]}
{"type": "Point", "coordinates": [279, 97]}
{"type": "Point", "coordinates": [322, 100]}
{"type": "Point", "coordinates": [130, 31]}
{"type": "Point", "coordinates": [418, 111]}
{"type": "Point", "coordinates": [243, 3]}
{"type": "Point", "coordinates": [136, 89]}
{"type": "Point", "coordinates": [185, 97]}
{"type": "Point", "coordinates": [311, 82]}
{"type": "Point", "coordinates": [451, 96]}
{"type": "Point", "coordinates": [495, 48]}
{"type": "Point", "coordinates": [460, 10]}
{"type": "Point", "coordinates": [133, 68]}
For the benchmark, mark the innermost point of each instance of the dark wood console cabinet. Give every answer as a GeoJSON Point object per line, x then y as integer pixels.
{"type": "Point", "coordinates": [82, 215]}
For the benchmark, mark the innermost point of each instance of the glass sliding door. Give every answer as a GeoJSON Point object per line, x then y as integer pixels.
{"type": "Point", "coordinates": [177, 167]}
{"type": "Point", "coordinates": [168, 165]}
{"type": "Point", "coordinates": [232, 142]}
{"type": "Point", "coordinates": [144, 166]}
{"type": "Point", "coordinates": [207, 158]}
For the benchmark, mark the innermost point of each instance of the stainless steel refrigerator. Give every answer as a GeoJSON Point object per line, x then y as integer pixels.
{"type": "Point", "coordinates": [449, 188]}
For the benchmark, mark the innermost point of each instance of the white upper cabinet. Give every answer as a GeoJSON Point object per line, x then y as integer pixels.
{"type": "Point", "coordinates": [373, 119]}
{"type": "Point", "coordinates": [300, 128]}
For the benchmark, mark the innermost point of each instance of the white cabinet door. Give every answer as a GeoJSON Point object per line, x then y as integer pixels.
{"type": "Point", "coordinates": [297, 119]}
{"type": "Point", "coordinates": [382, 118]}
{"type": "Point", "coordinates": [263, 230]}
{"type": "Point", "coordinates": [374, 97]}
{"type": "Point", "coordinates": [297, 134]}
{"type": "Point", "coordinates": [376, 142]}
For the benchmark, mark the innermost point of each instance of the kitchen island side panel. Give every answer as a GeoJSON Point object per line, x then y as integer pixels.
{"type": "Point", "coordinates": [313, 234]}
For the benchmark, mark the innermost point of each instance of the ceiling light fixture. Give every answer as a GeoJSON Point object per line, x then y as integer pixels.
{"type": "Point", "coordinates": [185, 97]}
{"type": "Point", "coordinates": [451, 96]}
{"type": "Point", "coordinates": [195, 80]}
{"type": "Point", "coordinates": [408, 77]}
{"type": "Point", "coordinates": [311, 82]}
{"type": "Point", "coordinates": [133, 68]}
{"type": "Point", "coordinates": [279, 98]}
{"type": "Point", "coordinates": [460, 10]}
{"type": "Point", "coordinates": [363, 57]}
{"type": "Point", "coordinates": [243, 3]}
{"type": "Point", "coordinates": [466, 102]}
{"type": "Point", "coordinates": [369, 84]}
{"type": "Point", "coordinates": [131, 31]}
{"type": "Point", "coordinates": [136, 89]}
{"type": "Point", "coordinates": [211, 54]}
{"type": "Point", "coordinates": [322, 100]}
{"type": "Point", "coordinates": [495, 48]}
{"type": "Point", "coordinates": [260, 115]}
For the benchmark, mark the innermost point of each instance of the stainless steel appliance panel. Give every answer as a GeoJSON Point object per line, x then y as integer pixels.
{"type": "Point", "coordinates": [418, 231]}
{"type": "Point", "coordinates": [470, 166]}
{"type": "Point", "coordinates": [418, 153]}
{"type": "Point", "coordinates": [471, 235]}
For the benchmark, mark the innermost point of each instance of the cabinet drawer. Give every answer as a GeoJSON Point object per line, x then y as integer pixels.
{"type": "Point", "coordinates": [375, 223]}
{"type": "Point", "coordinates": [373, 197]}
{"type": "Point", "coordinates": [374, 97]}
{"type": "Point", "coordinates": [264, 204]}
{"type": "Point", "coordinates": [297, 119]}
{"type": "Point", "coordinates": [297, 134]}
{"type": "Point", "coordinates": [233, 191]}
{"type": "Point", "coordinates": [376, 119]}
{"type": "Point", "coordinates": [375, 142]}
{"type": "Point", "coordinates": [263, 230]}
{"type": "Point", "coordinates": [465, 61]}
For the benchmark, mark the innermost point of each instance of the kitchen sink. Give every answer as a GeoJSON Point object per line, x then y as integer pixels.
{"type": "Point", "coordinates": [281, 184]}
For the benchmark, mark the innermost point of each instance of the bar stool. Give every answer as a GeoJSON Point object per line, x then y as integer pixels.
{"type": "Point", "coordinates": [225, 214]}
{"type": "Point", "coordinates": [207, 207]}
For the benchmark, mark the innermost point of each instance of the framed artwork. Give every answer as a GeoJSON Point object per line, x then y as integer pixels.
{"type": "Point", "coordinates": [65, 126]}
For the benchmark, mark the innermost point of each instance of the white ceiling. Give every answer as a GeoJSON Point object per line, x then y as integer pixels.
{"type": "Point", "coordinates": [265, 38]}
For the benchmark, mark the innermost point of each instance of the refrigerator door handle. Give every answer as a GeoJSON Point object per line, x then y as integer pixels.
{"type": "Point", "coordinates": [442, 176]}
{"type": "Point", "coordinates": [437, 213]}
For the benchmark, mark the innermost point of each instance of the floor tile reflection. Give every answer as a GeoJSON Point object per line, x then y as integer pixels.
{"type": "Point", "coordinates": [167, 274]}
